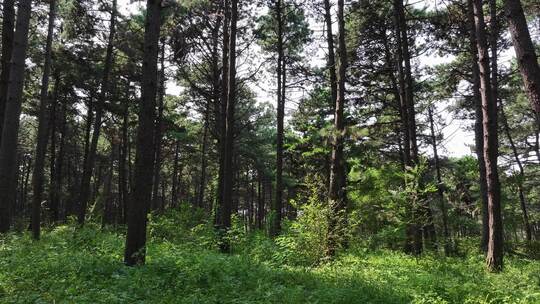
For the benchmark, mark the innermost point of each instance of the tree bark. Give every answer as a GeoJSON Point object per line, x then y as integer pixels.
{"type": "Point", "coordinates": [277, 205]}
{"type": "Point", "coordinates": [522, 202]}
{"type": "Point", "coordinates": [100, 102]}
{"type": "Point", "coordinates": [142, 191]}
{"type": "Point", "coordinates": [228, 169]}
{"type": "Point", "coordinates": [440, 190]}
{"type": "Point", "coordinates": [525, 52]}
{"type": "Point", "coordinates": [122, 168]}
{"type": "Point", "coordinates": [159, 132]}
{"type": "Point", "coordinates": [337, 188]}
{"type": "Point", "coordinates": [494, 259]}
{"type": "Point", "coordinates": [331, 60]}
{"type": "Point", "coordinates": [8, 23]}
{"type": "Point", "coordinates": [10, 130]}
{"type": "Point", "coordinates": [41, 141]}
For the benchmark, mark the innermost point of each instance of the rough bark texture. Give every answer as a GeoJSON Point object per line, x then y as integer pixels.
{"type": "Point", "coordinates": [142, 191]}
{"type": "Point", "coordinates": [41, 147]}
{"type": "Point", "coordinates": [478, 127]}
{"type": "Point", "coordinates": [99, 107]}
{"type": "Point", "coordinates": [494, 258]}
{"type": "Point", "coordinates": [8, 25]}
{"type": "Point", "coordinates": [525, 52]}
{"type": "Point", "coordinates": [336, 190]}
{"type": "Point", "coordinates": [228, 169]}
{"type": "Point", "coordinates": [10, 130]}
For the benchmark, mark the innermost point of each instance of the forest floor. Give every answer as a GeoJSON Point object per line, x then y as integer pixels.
{"type": "Point", "coordinates": [71, 265]}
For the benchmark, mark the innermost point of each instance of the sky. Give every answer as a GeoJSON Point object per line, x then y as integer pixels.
{"type": "Point", "coordinates": [458, 135]}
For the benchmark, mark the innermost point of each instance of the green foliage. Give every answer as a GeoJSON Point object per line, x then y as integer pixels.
{"type": "Point", "coordinates": [83, 265]}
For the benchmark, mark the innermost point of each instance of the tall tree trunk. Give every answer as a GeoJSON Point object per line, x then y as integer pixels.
{"type": "Point", "coordinates": [277, 205]}
{"type": "Point", "coordinates": [159, 130]}
{"type": "Point", "coordinates": [525, 52]}
{"type": "Point", "coordinates": [10, 130]}
{"type": "Point", "coordinates": [414, 234]}
{"type": "Point", "coordinates": [100, 102]}
{"type": "Point", "coordinates": [204, 160]}
{"type": "Point", "coordinates": [174, 194]}
{"type": "Point", "coordinates": [494, 259]}
{"type": "Point", "coordinates": [336, 193]}
{"type": "Point", "coordinates": [144, 160]}
{"type": "Point", "coordinates": [440, 190]}
{"type": "Point", "coordinates": [56, 197]}
{"type": "Point", "coordinates": [221, 122]}
{"type": "Point", "coordinates": [522, 202]}
{"type": "Point", "coordinates": [478, 125]}
{"type": "Point", "coordinates": [228, 169]}
{"type": "Point", "coordinates": [331, 60]}
{"type": "Point", "coordinates": [41, 147]}
{"type": "Point", "coordinates": [8, 23]}
{"type": "Point", "coordinates": [122, 173]}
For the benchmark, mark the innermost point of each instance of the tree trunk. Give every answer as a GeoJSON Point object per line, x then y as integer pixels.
{"type": "Point", "coordinates": [525, 52]}
{"type": "Point", "coordinates": [142, 191]}
{"type": "Point", "coordinates": [522, 202]}
{"type": "Point", "coordinates": [8, 23]}
{"type": "Point", "coordinates": [337, 194]}
{"type": "Point", "coordinates": [100, 102]}
{"type": "Point", "coordinates": [159, 131]}
{"type": "Point", "coordinates": [221, 122]}
{"type": "Point", "coordinates": [414, 233]}
{"type": "Point", "coordinates": [277, 205]}
{"type": "Point", "coordinates": [122, 174]}
{"type": "Point", "coordinates": [478, 127]}
{"type": "Point", "coordinates": [440, 190]}
{"type": "Point", "coordinates": [41, 146]}
{"type": "Point", "coordinates": [174, 194]}
{"type": "Point", "coordinates": [59, 212]}
{"type": "Point", "coordinates": [331, 61]}
{"type": "Point", "coordinates": [228, 169]}
{"type": "Point", "coordinates": [10, 130]}
{"type": "Point", "coordinates": [494, 259]}
{"type": "Point", "coordinates": [204, 161]}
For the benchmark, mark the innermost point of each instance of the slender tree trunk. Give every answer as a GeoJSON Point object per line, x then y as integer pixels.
{"type": "Point", "coordinates": [41, 147]}
{"type": "Point", "coordinates": [478, 126]}
{"type": "Point", "coordinates": [277, 205]}
{"type": "Point", "coordinates": [204, 161]}
{"type": "Point", "coordinates": [228, 169]}
{"type": "Point", "coordinates": [57, 197]}
{"type": "Point", "coordinates": [331, 61]}
{"type": "Point", "coordinates": [414, 233]}
{"type": "Point", "coordinates": [174, 194]}
{"type": "Point", "coordinates": [525, 52]}
{"type": "Point", "coordinates": [159, 130]}
{"type": "Point", "coordinates": [90, 158]}
{"type": "Point", "coordinates": [440, 190]}
{"type": "Point", "coordinates": [142, 191]}
{"type": "Point", "coordinates": [8, 24]}
{"type": "Point", "coordinates": [522, 202]}
{"type": "Point", "coordinates": [223, 112]}
{"type": "Point", "coordinates": [494, 259]}
{"type": "Point", "coordinates": [122, 174]}
{"type": "Point", "coordinates": [10, 130]}
{"type": "Point", "coordinates": [337, 194]}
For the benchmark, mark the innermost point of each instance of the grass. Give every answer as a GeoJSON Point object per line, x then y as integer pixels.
{"type": "Point", "coordinates": [85, 266]}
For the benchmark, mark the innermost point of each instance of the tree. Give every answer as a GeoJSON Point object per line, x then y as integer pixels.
{"type": "Point", "coordinates": [525, 52]}
{"type": "Point", "coordinates": [135, 251]}
{"type": "Point", "coordinates": [99, 108]}
{"type": "Point", "coordinates": [8, 24]}
{"type": "Point", "coordinates": [494, 259]}
{"type": "Point", "coordinates": [41, 148]}
{"type": "Point", "coordinates": [337, 196]}
{"type": "Point", "coordinates": [10, 130]}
